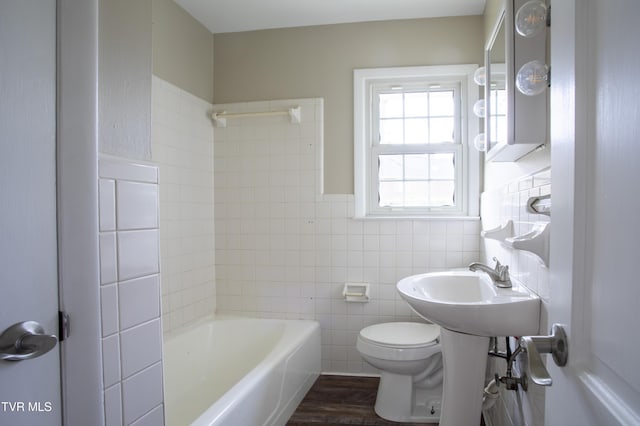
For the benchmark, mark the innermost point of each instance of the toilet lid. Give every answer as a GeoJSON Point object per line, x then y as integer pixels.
{"type": "Point", "coordinates": [405, 334]}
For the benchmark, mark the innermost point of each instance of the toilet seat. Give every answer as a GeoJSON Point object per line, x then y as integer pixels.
{"type": "Point", "coordinates": [401, 334]}
{"type": "Point", "coordinates": [401, 341]}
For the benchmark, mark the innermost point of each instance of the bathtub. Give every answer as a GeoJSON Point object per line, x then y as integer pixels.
{"type": "Point", "coordinates": [239, 371]}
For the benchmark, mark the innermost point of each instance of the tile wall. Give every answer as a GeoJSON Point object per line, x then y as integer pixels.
{"type": "Point", "coordinates": [130, 293]}
{"type": "Point", "coordinates": [285, 250]}
{"type": "Point", "coordinates": [498, 206]}
{"type": "Point", "coordinates": [182, 145]}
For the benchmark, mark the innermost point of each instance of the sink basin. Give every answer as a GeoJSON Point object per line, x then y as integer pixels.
{"type": "Point", "coordinates": [468, 302]}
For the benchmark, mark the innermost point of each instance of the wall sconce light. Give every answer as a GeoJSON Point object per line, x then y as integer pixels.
{"type": "Point", "coordinates": [533, 78]}
{"type": "Point", "coordinates": [480, 76]}
{"type": "Point", "coordinates": [531, 18]}
{"type": "Point", "coordinates": [479, 108]}
{"type": "Point", "coordinates": [480, 142]}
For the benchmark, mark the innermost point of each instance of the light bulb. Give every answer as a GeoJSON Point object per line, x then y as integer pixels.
{"type": "Point", "coordinates": [480, 76]}
{"type": "Point", "coordinates": [479, 108]}
{"type": "Point", "coordinates": [531, 18]}
{"type": "Point", "coordinates": [480, 142]}
{"type": "Point", "coordinates": [533, 78]}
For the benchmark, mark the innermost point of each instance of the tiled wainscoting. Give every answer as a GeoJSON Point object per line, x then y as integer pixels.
{"type": "Point", "coordinates": [182, 141]}
{"type": "Point", "coordinates": [130, 293]}
{"type": "Point", "coordinates": [284, 250]}
{"type": "Point", "coordinates": [498, 206]}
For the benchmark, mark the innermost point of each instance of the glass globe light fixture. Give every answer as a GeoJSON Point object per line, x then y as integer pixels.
{"type": "Point", "coordinates": [480, 76]}
{"type": "Point", "coordinates": [480, 142]}
{"type": "Point", "coordinates": [479, 108]}
{"type": "Point", "coordinates": [533, 78]}
{"type": "Point", "coordinates": [531, 18]}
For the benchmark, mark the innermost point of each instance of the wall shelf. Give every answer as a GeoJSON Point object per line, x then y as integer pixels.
{"type": "Point", "coordinates": [499, 233]}
{"type": "Point", "coordinates": [535, 241]}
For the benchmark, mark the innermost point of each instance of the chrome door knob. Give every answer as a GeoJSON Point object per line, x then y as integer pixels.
{"type": "Point", "coordinates": [25, 340]}
{"type": "Point", "coordinates": [554, 344]}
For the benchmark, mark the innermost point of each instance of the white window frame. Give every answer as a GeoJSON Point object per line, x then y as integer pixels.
{"type": "Point", "coordinates": [366, 82]}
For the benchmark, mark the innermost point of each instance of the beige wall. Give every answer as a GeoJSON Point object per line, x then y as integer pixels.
{"type": "Point", "coordinates": [319, 61]}
{"type": "Point", "coordinates": [182, 49]}
{"type": "Point", "coordinates": [125, 78]}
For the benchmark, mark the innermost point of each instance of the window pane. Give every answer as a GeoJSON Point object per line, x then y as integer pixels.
{"type": "Point", "coordinates": [390, 194]}
{"type": "Point", "coordinates": [416, 130]}
{"type": "Point", "coordinates": [390, 167]}
{"type": "Point", "coordinates": [441, 130]}
{"type": "Point", "coordinates": [416, 166]}
{"type": "Point", "coordinates": [416, 104]}
{"type": "Point", "coordinates": [501, 108]}
{"type": "Point", "coordinates": [501, 129]}
{"type": "Point", "coordinates": [442, 193]}
{"type": "Point", "coordinates": [441, 103]}
{"type": "Point", "coordinates": [391, 105]}
{"type": "Point", "coordinates": [442, 166]}
{"type": "Point", "coordinates": [416, 194]}
{"type": "Point", "coordinates": [391, 132]}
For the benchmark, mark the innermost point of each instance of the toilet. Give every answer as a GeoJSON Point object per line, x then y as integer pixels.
{"type": "Point", "coordinates": [409, 357]}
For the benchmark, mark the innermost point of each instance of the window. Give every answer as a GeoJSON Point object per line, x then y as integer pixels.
{"type": "Point", "coordinates": [411, 151]}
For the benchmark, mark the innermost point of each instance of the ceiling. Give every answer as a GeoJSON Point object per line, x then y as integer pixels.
{"type": "Point", "coordinates": [223, 16]}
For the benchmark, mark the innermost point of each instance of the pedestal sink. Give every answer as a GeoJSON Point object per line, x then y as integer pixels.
{"type": "Point", "coordinates": [470, 309]}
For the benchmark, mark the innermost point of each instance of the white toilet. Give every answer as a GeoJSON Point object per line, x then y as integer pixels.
{"type": "Point", "coordinates": [408, 355]}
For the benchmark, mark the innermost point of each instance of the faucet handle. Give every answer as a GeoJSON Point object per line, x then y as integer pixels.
{"type": "Point", "coordinates": [498, 264]}
{"type": "Point", "coordinates": [501, 270]}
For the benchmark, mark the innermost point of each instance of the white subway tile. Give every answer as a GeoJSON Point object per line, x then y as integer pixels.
{"type": "Point", "coordinates": [387, 242]}
{"type": "Point", "coordinates": [107, 196]}
{"type": "Point", "coordinates": [111, 360]}
{"type": "Point", "coordinates": [437, 243]}
{"type": "Point", "coordinates": [113, 406]}
{"type": "Point", "coordinates": [455, 243]}
{"type": "Point", "coordinates": [141, 347]}
{"type": "Point", "coordinates": [137, 253]}
{"type": "Point", "coordinates": [108, 255]}
{"type": "Point", "coordinates": [438, 227]}
{"type": "Point", "coordinates": [455, 227]}
{"type": "Point", "coordinates": [142, 392]}
{"type": "Point", "coordinates": [139, 301]}
{"type": "Point", "coordinates": [119, 169]}
{"type": "Point", "coordinates": [137, 205]}
{"type": "Point", "coordinates": [109, 309]}
{"type": "Point", "coordinates": [154, 417]}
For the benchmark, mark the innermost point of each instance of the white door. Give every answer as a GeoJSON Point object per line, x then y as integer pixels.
{"type": "Point", "coordinates": [595, 259]}
{"type": "Point", "coordinates": [29, 389]}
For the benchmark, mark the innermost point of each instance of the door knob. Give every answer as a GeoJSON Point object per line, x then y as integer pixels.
{"type": "Point", "coordinates": [554, 344]}
{"type": "Point", "coordinates": [25, 340]}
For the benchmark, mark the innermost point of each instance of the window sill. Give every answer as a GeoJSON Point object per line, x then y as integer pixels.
{"type": "Point", "coordinates": [426, 218]}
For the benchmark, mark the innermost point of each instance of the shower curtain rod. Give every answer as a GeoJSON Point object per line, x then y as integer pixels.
{"type": "Point", "coordinates": [220, 118]}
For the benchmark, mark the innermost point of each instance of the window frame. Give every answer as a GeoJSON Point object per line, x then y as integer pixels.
{"type": "Point", "coordinates": [368, 83]}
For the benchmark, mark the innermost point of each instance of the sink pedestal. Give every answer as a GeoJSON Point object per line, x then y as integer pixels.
{"type": "Point", "coordinates": [465, 364]}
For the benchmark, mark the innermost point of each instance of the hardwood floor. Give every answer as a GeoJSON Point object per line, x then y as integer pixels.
{"type": "Point", "coordinates": [341, 400]}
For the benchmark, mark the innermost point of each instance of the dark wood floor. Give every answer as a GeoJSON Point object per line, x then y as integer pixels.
{"type": "Point", "coordinates": [341, 400]}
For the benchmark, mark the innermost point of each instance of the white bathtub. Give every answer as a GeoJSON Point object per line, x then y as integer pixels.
{"type": "Point", "coordinates": [239, 371]}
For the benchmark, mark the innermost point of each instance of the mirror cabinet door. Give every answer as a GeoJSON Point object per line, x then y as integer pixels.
{"type": "Point", "coordinates": [515, 124]}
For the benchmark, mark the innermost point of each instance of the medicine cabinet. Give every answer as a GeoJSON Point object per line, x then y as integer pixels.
{"type": "Point", "coordinates": [515, 124]}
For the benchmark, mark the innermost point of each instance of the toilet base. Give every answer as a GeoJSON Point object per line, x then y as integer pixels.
{"type": "Point", "coordinates": [400, 400]}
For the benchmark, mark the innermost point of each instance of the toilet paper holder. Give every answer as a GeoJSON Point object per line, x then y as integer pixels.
{"type": "Point", "coordinates": [356, 292]}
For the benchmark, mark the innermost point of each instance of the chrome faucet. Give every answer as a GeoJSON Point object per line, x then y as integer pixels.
{"type": "Point", "coordinates": [499, 275]}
